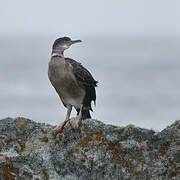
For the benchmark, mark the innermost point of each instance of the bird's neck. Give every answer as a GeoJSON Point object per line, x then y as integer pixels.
{"type": "Point", "coordinates": [57, 53]}
{"type": "Point", "coordinates": [60, 54]}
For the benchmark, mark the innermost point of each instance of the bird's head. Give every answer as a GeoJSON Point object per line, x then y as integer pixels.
{"type": "Point", "coordinates": [63, 43]}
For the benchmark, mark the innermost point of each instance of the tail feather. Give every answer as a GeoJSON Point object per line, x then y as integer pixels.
{"type": "Point", "coordinates": [86, 114]}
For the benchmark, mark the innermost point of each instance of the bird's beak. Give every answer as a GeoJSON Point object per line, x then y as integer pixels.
{"type": "Point", "coordinates": [73, 42]}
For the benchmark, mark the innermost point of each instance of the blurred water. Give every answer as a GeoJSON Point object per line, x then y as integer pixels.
{"type": "Point", "coordinates": [138, 79]}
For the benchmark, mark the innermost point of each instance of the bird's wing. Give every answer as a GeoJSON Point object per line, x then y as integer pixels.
{"type": "Point", "coordinates": [87, 80]}
{"type": "Point", "coordinates": [82, 74]}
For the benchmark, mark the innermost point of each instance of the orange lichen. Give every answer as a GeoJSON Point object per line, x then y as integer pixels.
{"type": "Point", "coordinates": [6, 141]}
{"type": "Point", "coordinates": [22, 145]}
{"type": "Point", "coordinates": [6, 173]}
{"type": "Point", "coordinates": [22, 127]}
{"type": "Point", "coordinates": [27, 174]}
{"type": "Point", "coordinates": [46, 176]}
{"type": "Point", "coordinates": [85, 128]}
{"type": "Point", "coordinates": [100, 138]}
{"type": "Point", "coordinates": [86, 140]}
{"type": "Point", "coordinates": [19, 119]}
{"type": "Point", "coordinates": [44, 139]}
{"type": "Point", "coordinates": [85, 150]}
{"type": "Point", "coordinates": [22, 124]}
{"type": "Point", "coordinates": [92, 138]}
{"type": "Point", "coordinates": [90, 161]}
{"type": "Point", "coordinates": [173, 163]}
{"type": "Point", "coordinates": [8, 170]}
{"type": "Point", "coordinates": [164, 148]}
{"type": "Point", "coordinates": [85, 156]}
{"type": "Point", "coordinates": [173, 174]}
{"type": "Point", "coordinates": [43, 131]}
{"type": "Point", "coordinates": [6, 158]}
{"type": "Point", "coordinates": [134, 168]}
{"type": "Point", "coordinates": [60, 136]}
{"type": "Point", "coordinates": [116, 150]}
{"type": "Point", "coordinates": [142, 167]}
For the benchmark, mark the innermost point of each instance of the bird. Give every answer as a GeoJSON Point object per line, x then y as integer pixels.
{"type": "Point", "coordinates": [73, 83]}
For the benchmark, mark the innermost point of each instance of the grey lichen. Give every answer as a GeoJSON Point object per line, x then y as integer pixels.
{"type": "Point", "coordinates": [96, 151]}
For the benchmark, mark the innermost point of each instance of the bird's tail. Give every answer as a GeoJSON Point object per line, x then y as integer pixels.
{"type": "Point", "coordinates": [86, 114]}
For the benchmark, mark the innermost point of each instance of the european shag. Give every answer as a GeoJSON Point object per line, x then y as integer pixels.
{"type": "Point", "coordinates": [74, 83]}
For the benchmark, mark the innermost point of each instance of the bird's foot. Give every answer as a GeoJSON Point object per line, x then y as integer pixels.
{"type": "Point", "coordinates": [75, 122]}
{"type": "Point", "coordinates": [56, 130]}
{"type": "Point", "coordinates": [59, 128]}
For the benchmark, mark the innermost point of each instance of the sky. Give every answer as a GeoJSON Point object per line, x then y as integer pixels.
{"type": "Point", "coordinates": [137, 17]}
{"type": "Point", "coordinates": [130, 47]}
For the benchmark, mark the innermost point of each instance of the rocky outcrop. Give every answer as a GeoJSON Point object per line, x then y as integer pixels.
{"type": "Point", "coordinates": [96, 151]}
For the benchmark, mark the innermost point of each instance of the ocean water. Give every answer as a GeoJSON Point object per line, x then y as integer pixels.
{"type": "Point", "coordinates": [138, 79]}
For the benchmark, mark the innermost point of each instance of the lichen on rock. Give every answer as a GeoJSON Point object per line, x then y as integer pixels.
{"type": "Point", "coordinates": [96, 151]}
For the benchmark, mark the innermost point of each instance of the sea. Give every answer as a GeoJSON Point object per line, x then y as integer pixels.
{"type": "Point", "coordinates": [139, 79]}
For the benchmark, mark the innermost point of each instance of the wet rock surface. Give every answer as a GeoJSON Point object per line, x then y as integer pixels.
{"type": "Point", "coordinates": [96, 151]}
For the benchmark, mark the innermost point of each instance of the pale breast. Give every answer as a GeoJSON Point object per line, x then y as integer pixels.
{"type": "Point", "coordinates": [65, 83]}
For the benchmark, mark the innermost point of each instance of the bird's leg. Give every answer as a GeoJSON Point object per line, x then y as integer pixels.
{"type": "Point", "coordinates": [60, 126]}
{"type": "Point", "coordinates": [75, 121]}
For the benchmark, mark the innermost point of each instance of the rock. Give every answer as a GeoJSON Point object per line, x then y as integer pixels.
{"type": "Point", "coordinates": [96, 151]}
